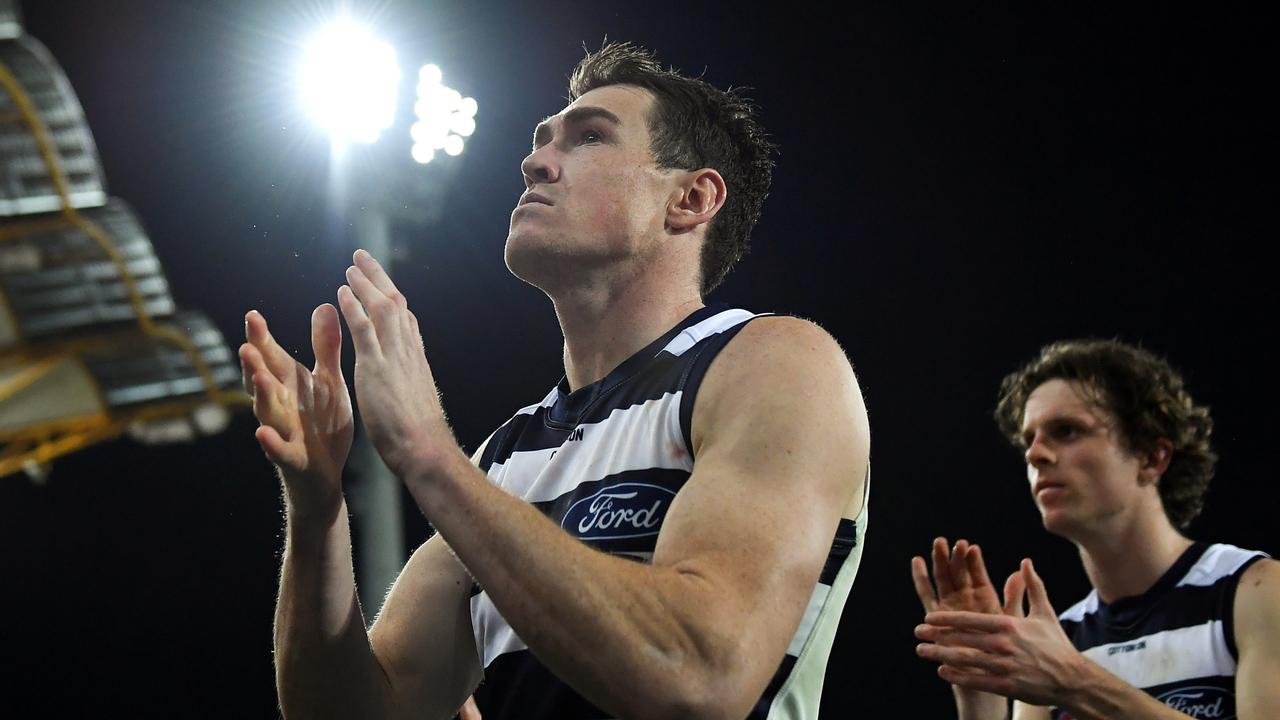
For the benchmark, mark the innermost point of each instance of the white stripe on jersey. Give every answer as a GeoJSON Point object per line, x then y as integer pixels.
{"type": "Point", "coordinates": [816, 601]}
{"type": "Point", "coordinates": [1167, 656]}
{"type": "Point", "coordinates": [547, 401]}
{"type": "Point", "coordinates": [1076, 612]}
{"type": "Point", "coordinates": [487, 623]}
{"type": "Point", "coordinates": [717, 323]}
{"type": "Point", "coordinates": [640, 437]}
{"type": "Point", "coordinates": [1219, 561]}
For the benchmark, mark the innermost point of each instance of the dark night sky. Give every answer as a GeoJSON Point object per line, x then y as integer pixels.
{"type": "Point", "coordinates": [957, 185]}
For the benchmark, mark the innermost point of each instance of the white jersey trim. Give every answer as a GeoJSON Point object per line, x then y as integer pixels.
{"type": "Point", "coordinates": [1167, 656]}
{"type": "Point", "coordinates": [717, 323]}
{"type": "Point", "coordinates": [640, 437]}
{"type": "Point", "coordinates": [1219, 561]}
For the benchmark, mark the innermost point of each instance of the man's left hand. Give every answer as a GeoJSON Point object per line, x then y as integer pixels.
{"type": "Point", "coordinates": [395, 390]}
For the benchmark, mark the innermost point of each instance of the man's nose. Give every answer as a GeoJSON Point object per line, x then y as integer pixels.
{"type": "Point", "coordinates": [540, 166]}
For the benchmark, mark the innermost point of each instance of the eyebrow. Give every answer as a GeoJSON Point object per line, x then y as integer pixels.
{"type": "Point", "coordinates": [542, 133]}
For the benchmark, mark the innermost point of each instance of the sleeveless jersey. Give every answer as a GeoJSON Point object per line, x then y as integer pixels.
{"type": "Point", "coordinates": [1176, 641]}
{"type": "Point", "coordinates": [605, 462]}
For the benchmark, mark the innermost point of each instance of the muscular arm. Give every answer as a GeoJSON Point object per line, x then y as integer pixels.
{"type": "Point", "coordinates": [781, 441]}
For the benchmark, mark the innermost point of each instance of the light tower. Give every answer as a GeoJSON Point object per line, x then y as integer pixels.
{"type": "Point", "coordinates": [350, 86]}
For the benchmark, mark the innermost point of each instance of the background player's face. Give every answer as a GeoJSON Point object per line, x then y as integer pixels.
{"type": "Point", "coordinates": [606, 197]}
{"type": "Point", "coordinates": [1082, 476]}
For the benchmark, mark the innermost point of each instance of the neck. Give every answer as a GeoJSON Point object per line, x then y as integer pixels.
{"type": "Point", "coordinates": [1128, 560]}
{"type": "Point", "coordinates": [605, 324]}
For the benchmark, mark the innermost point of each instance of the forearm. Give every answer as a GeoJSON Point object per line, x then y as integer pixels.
{"type": "Point", "coordinates": [619, 632]}
{"type": "Point", "coordinates": [978, 705]}
{"type": "Point", "coordinates": [324, 664]}
{"type": "Point", "coordinates": [1102, 696]}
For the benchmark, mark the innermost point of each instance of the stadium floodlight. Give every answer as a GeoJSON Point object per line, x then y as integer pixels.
{"type": "Point", "coordinates": [445, 118]}
{"type": "Point", "coordinates": [92, 345]}
{"type": "Point", "coordinates": [349, 82]}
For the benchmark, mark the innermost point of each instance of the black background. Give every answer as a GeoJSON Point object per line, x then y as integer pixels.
{"type": "Point", "coordinates": [958, 184]}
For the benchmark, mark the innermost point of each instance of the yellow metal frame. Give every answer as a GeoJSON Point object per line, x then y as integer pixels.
{"type": "Point", "coordinates": [43, 443]}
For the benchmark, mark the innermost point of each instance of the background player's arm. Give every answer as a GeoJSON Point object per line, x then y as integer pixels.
{"type": "Point", "coordinates": [781, 441]}
{"type": "Point", "coordinates": [1257, 631]}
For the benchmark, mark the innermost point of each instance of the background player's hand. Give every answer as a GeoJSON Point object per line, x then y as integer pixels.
{"type": "Point", "coordinates": [1025, 656]}
{"type": "Point", "coordinates": [305, 415]}
{"type": "Point", "coordinates": [399, 404]}
{"type": "Point", "coordinates": [960, 580]}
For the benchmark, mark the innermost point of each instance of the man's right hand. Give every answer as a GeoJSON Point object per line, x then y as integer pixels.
{"type": "Point", "coordinates": [305, 415]}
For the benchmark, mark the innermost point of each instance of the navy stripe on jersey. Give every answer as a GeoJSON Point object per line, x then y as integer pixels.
{"type": "Point", "coordinates": [846, 540]}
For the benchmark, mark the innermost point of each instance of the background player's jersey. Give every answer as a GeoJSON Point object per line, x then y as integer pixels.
{"type": "Point", "coordinates": [605, 462]}
{"type": "Point", "coordinates": [1175, 641]}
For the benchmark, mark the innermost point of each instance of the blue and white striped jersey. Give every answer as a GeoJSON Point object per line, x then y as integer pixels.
{"type": "Point", "coordinates": [1175, 641]}
{"type": "Point", "coordinates": [605, 463]}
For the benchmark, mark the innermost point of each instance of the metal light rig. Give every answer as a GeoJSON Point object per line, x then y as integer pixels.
{"type": "Point", "coordinates": [91, 343]}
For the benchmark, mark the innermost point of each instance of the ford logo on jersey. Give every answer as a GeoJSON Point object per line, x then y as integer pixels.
{"type": "Point", "coordinates": [625, 510]}
{"type": "Point", "coordinates": [1201, 701]}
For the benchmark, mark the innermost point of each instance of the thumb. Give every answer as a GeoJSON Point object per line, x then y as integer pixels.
{"type": "Point", "coordinates": [1036, 592]}
{"type": "Point", "coordinates": [1015, 589]}
{"type": "Point", "coordinates": [326, 340]}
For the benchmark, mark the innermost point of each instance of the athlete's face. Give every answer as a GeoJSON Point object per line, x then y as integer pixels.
{"type": "Point", "coordinates": [594, 192]}
{"type": "Point", "coordinates": [1082, 475]}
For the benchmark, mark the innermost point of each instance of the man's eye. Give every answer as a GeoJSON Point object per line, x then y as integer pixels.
{"type": "Point", "coordinates": [1065, 432]}
{"type": "Point", "coordinates": [590, 136]}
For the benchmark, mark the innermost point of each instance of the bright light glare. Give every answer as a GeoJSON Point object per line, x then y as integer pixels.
{"type": "Point", "coordinates": [444, 117]}
{"type": "Point", "coordinates": [350, 81]}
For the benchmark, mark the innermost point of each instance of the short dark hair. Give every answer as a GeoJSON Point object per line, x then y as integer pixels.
{"type": "Point", "coordinates": [1148, 400]}
{"type": "Point", "coordinates": [695, 125]}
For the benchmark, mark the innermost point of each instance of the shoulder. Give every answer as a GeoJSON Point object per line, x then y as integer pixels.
{"type": "Point", "coordinates": [1256, 608]}
{"type": "Point", "coordinates": [1258, 592]}
{"type": "Point", "coordinates": [786, 350]}
{"type": "Point", "coordinates": [780, 369]}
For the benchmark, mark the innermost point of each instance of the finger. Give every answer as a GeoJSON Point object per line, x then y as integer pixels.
{"type": "Point", "coordinates": [963, 657]}
{"type": "Point", "coordinates": [270, 404]}
{"type": "Point", "coordinates": [1036, 593]}
{"type": "Point", "coordinates": [1014, 590]}
{"type": "Point", "coordinates": [984, 682]}
{"type": "Point", "coordinates": [363, 335]}
{"type": "Point", "coordinates": [977, 567]}
{"type": "Point", "coordinates": [924, 588]}
{"type": "Point", "coordinates": [326, 340]}
{"type": "Point", "coordinates": [368, 293]}
{"type": "Point", "coordinates": [992, 643]}
{"type": "Point", "coordinates": [247, 367]}
{"type": "Point", "coordinates": [278, 361]}
{"type": "Point", "coordinates": [942, 567]}
{"type": "Point", "coordinates": [960, 620]}
{"type": "Point", "coordinates": [373, 270]}
{"type": "Point", "coordinates": [274, 446]}
{"type": "Point", "coordinates": [959, 565]}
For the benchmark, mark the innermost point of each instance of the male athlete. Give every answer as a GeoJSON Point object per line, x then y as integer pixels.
{"type": "Point", "coordinates": [670, 532]}
{"type": "Point", "coordinates": [1118, 460]}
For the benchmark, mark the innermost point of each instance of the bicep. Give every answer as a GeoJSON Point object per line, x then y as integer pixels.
{"type": "Point", "coordinates": [423, 637]}
{"type": "Point", "coordinates": [1257, 629]}
{"type": "Point", "coordinates": [781, 449]}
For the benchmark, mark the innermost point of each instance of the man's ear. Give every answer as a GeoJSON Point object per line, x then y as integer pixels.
{"type": "Point", "coordinates": [1155, 462]}
{"type": "Point", "coordinates": [698, 198]}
